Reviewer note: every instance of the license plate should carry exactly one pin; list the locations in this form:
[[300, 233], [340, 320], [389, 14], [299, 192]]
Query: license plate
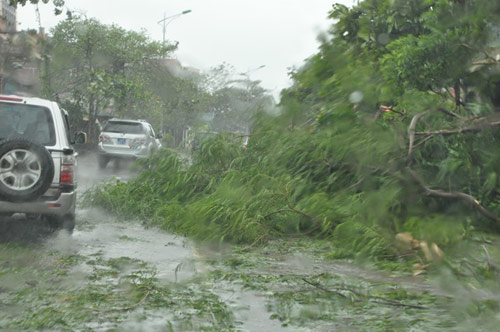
[[121, 141]]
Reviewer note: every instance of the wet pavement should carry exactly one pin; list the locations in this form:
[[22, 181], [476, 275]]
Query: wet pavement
[[89, 174], [172, 259], [172, 284]]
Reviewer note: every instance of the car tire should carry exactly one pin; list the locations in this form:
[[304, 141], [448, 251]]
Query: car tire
[[32, 216], [118, 163], [66, 222], [102, 161], [26, 170]]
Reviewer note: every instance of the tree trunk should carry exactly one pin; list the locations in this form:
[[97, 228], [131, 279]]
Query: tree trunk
[[92, 119]]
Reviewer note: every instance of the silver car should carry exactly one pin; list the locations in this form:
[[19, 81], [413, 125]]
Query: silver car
[[126, 139], [37, 162]]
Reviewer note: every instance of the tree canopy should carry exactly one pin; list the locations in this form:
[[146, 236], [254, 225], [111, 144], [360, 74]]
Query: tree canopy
[[59, 4], [94, 66]]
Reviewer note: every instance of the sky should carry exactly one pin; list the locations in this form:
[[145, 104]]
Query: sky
[[263, 38]]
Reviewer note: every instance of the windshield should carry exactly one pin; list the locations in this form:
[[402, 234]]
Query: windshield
[[320, 165], [26, 121], [124, 127]]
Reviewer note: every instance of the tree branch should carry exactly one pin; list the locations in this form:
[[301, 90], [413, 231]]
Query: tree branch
[[455, 194], [470, 129], [373, 299], [445, 111], [323, 289], [423, 141], [411, 134], [148, 291], [386, 109], [254, 243]]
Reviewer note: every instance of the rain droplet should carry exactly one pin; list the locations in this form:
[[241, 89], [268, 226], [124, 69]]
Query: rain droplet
[[383, 39], [356, 97]]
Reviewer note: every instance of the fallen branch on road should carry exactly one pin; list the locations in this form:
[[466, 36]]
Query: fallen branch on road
[[373, 299], [125, 308], [254, 243]]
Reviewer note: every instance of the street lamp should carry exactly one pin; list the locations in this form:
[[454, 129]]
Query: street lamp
[[247, 73], [166, 20]]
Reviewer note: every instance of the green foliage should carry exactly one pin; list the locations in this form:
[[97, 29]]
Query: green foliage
[[426, 62], [438, 229], [96, 67], [111, 293], [356, 239], [58, 4], [336, 163]]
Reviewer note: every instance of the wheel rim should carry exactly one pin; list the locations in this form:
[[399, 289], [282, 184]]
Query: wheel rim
[[20, 169]]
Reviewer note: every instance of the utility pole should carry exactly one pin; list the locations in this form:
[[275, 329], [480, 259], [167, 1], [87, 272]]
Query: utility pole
[[38, 18]]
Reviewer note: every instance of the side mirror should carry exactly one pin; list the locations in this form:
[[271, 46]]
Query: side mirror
[[80, 137]]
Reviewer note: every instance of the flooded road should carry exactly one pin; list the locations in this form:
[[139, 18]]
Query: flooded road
[[114, 274]]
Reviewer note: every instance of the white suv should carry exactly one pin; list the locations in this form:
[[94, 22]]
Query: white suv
[[37, 162], [126, 139]]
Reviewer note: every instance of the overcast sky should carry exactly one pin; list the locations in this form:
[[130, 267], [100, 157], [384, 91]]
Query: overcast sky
[[247, 34]]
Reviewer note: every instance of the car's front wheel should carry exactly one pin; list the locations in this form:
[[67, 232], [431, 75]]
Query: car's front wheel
[[102, 161]]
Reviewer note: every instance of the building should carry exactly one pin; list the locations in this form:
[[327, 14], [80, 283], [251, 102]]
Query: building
[[8, 17], [20, 62]]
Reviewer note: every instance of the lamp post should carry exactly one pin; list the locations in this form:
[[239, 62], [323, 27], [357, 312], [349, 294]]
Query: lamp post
[[247, 73], [167, 19]]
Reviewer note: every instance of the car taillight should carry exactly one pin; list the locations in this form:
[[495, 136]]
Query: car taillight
[[66, 174], [104, 138]]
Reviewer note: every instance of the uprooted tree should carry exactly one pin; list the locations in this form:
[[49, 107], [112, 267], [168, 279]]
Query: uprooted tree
[[391, 127]]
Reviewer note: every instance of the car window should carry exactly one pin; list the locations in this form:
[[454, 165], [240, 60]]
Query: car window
[[151, 131], [27, 121], [124, 127], [66, 124]]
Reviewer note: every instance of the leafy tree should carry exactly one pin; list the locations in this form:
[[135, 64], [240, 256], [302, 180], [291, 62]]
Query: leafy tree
[[235, 99], [182, 100], [95, 66], [57, 3]]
